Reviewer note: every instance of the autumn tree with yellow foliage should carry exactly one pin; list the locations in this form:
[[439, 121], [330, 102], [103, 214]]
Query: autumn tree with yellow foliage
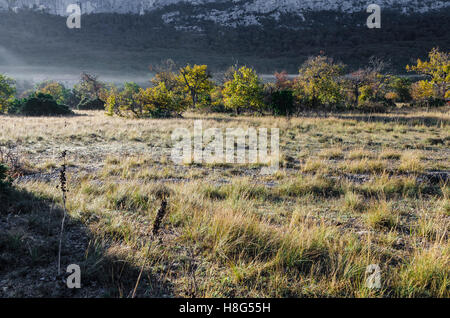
[[160, 102], [7, 91], [318, 82], [57, 90], [437, 71], [196, 82], [244, 91]]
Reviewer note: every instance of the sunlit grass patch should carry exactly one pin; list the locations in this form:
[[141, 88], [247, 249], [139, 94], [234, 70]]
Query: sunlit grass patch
[[364, 166], [156, 173], [354, 202], [444, 206], [91, 189], [117, 229], [239, 190], [332, 154], [387, 186], [308, 230], [427, 275], [410, 162], [317, 185], [236, 235], [124, 196], [432, 227], [315, 166], [359, 154], [128, 198], [113, 160], [48, 165], [381, 216], [390, 154], [307, 248]]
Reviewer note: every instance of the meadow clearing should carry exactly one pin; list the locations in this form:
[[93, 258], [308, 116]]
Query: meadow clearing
[[352, 190]]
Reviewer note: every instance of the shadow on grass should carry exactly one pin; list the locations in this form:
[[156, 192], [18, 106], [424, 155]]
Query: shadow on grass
[[429, 121], [46, 116], [29, 239], [397, 117], [219, 119]]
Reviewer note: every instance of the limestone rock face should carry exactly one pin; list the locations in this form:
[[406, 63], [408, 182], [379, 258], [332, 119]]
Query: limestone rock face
[[223, 12]]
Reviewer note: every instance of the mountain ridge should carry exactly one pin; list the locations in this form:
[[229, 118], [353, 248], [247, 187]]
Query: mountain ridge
[[223, 12]]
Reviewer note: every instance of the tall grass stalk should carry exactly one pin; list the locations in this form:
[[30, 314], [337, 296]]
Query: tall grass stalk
[[63, 187], [156, 226]]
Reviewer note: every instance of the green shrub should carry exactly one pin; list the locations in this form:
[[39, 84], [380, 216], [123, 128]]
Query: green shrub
[[155, 102], [15, 105], [91, 104], [73, 98], [59, 92], [402, 88], [40, 105], [282, 102]]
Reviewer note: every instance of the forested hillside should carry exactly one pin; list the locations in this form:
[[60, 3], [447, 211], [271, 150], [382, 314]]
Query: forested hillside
[[132, 42]]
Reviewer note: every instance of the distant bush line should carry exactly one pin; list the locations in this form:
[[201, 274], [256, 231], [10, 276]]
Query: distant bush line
[[322, 84]]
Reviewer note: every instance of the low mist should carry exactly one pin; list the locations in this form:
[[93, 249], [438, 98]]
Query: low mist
[[26, 76]]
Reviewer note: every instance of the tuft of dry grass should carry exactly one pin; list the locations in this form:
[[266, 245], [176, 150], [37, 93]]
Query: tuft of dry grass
[[354, 202], [380, 216], [390, 154], [315, 166], [317, 185], [332, 154], [428, 271], [364, 166], [359, 154], [410, 162]]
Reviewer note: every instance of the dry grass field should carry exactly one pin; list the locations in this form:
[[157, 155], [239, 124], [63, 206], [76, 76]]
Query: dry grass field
[[352, 190]]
